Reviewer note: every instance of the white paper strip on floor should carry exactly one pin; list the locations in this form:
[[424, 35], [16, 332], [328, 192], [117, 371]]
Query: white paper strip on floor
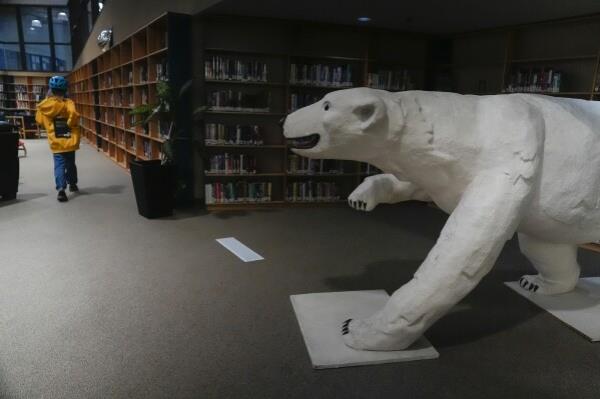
[[579, 308], [321, 316], [239, 249]]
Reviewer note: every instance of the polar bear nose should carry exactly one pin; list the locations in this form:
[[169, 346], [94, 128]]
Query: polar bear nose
[[282, 121]]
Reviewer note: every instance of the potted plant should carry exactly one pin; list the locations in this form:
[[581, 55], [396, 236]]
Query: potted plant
[[154, 181]]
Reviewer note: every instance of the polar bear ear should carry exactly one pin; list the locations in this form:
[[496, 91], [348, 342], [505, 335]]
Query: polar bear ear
[[370, 113]]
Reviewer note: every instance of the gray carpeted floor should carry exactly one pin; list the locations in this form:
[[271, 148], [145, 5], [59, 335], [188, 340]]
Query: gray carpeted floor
[[97, 302]]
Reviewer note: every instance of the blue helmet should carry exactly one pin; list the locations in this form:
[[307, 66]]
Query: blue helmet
[[58, 83]]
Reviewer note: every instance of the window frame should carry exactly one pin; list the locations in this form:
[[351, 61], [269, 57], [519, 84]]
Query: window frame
[[51, 42]]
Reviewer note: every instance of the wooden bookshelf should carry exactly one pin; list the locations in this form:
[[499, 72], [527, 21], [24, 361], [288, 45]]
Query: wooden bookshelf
[[482, 61], [593, 246], [278, 45], [110, 86], [21, 91]]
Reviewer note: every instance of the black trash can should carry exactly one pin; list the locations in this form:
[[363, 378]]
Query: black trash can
[[9, 161], [154, 187]]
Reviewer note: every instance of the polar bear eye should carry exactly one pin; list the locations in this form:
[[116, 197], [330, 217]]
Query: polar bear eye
[[326, 106]]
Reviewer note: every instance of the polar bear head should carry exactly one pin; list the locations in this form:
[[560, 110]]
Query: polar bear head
[[347, 124]]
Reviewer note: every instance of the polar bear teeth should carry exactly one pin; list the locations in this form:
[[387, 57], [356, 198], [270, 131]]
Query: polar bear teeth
[[304, 142]]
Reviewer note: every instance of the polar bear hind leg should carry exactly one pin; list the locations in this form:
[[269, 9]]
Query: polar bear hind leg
[[556, 263]]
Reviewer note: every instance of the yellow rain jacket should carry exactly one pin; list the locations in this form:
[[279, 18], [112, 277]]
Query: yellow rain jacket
[[61, 122]]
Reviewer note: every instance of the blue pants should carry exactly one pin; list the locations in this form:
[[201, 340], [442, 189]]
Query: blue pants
[[65, 170]]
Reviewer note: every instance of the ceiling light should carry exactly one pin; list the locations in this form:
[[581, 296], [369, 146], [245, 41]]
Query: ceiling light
[[62, 16], [36, 23], [31, 28], [363, 19]]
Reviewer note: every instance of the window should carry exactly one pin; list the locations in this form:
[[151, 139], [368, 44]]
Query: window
[[38, 57], [10, 56], [35, 24], [63, 57], [90, 16], [60, 24], [45, 34], [8, 25]]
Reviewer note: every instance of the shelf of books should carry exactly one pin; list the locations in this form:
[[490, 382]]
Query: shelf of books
[[20, 92], [108, 88], [592, 246], [246, 160]]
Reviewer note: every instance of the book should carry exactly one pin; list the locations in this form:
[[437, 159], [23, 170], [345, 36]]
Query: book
[[306, 166], [223, 68], [143, 74], [220, 134], [229, 100], [300, 100], [231, 164], [325, 75], [237, 192], [311, 191], [392, 80], [527, 80]]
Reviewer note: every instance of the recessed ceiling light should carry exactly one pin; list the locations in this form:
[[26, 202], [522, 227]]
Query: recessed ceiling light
[[363, 19], [36, 23]]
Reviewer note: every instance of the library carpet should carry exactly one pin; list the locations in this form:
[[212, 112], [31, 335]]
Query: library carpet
[[97, 302]]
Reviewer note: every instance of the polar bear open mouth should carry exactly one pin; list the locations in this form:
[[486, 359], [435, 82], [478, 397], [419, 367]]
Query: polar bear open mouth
[[304, 142]]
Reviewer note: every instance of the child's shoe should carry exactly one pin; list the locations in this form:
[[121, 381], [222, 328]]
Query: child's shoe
[[73, 188], [62, 196]]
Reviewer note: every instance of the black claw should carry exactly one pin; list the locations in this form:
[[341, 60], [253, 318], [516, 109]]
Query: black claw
[[345, 332], [535, 288], [523, 282]]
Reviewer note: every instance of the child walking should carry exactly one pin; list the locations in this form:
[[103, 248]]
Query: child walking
[[61, 121]]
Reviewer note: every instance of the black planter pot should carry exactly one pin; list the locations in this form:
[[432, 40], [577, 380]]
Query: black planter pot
[[154, 187], [9, 162]]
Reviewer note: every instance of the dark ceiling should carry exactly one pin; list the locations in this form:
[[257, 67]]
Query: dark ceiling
[[432, 16]]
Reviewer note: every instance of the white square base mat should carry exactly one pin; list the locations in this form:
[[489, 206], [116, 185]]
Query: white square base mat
[[580, 308], [321, 316]]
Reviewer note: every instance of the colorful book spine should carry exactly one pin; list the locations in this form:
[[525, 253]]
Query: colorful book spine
[[223, 68], [237, 192], [220, 134], [325, 75]]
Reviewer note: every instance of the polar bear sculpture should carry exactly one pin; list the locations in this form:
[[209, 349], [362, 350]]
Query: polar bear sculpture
[[497, 164]]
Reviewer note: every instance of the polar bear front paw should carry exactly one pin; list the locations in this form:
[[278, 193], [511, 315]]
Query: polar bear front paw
[[363, 198], [365, 335]]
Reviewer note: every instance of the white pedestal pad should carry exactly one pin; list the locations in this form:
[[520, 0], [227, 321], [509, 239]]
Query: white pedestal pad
[[579, 308], [321, 316]]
